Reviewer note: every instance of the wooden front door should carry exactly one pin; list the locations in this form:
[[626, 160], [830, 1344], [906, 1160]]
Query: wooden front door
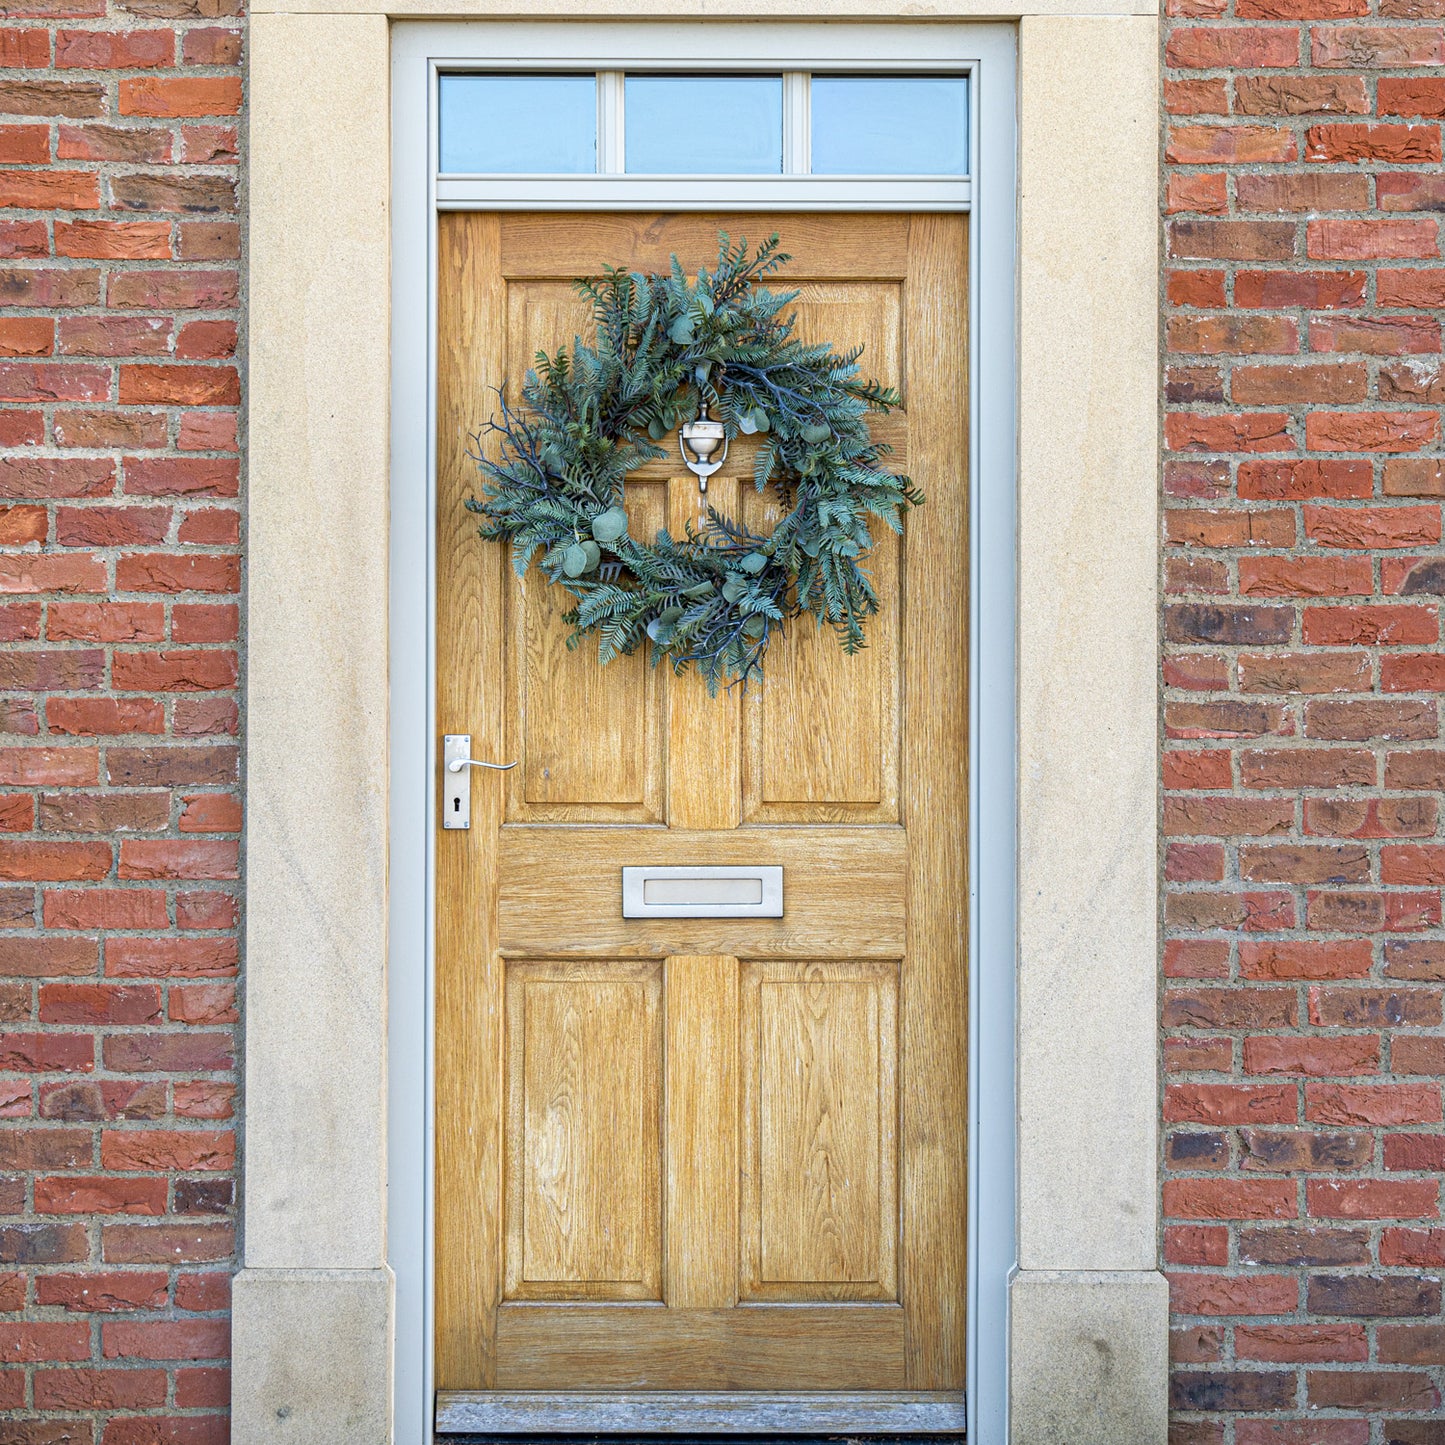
[[704, 1154]]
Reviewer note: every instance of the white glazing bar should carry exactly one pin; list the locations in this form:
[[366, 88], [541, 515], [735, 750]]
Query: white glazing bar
[[776, 193], [611, 123], [797, 144]]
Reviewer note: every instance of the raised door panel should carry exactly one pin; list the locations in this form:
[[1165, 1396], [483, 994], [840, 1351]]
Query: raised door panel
[[819, 1065], [583, 1140], [613, 769], [821, 737]]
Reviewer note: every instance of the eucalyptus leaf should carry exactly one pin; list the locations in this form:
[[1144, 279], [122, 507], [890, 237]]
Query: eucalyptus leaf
[[816, 433], [574, 560], [754, 562], [608, 526]]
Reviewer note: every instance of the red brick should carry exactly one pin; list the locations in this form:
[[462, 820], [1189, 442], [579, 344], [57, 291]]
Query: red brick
[[156, 1149], [50, 190], [1301, 94], [1230, 48], [1239, 432], [185, 385], [203, 1387], [180, 290], [203, 1003], [119, 240], [181, 96], [1381, 336], [166, 1243], [170, 957], [1305, 576], [1357, 1054], [177, 1430], [122, 908], [202, 908], [165, 572], [1371, 1390], [1201, 192], [1373, 1198], [190, 858], [1411, 95], [1230, 145], [1331, 240], [106, 621], [47, 957], [1229, 1199], [1372, 527], [91, 716], [1302, 1344], [1295, 192], [91, 1389], [182, 477], [99, 1003], [1362, 626], [1217, 1294], [165, 1339], [1305, 959], [173, 671], [112, 49], [33, 478], [1402, 144], [35, 1341], [27, 336], [114, 336], [67, 1194], [1357, 47], [1230, 1103], [1290, 385], [53, 861], [1365, 1104]]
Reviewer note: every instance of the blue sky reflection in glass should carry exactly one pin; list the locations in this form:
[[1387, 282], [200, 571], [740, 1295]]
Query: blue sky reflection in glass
[[518, 124], [890, 125], [704, 125]]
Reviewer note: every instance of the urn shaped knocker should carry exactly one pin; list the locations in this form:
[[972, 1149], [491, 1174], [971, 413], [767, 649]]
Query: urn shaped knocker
[[697, 440]]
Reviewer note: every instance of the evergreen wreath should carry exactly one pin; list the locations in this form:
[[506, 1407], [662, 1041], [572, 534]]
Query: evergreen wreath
[[666, 348]]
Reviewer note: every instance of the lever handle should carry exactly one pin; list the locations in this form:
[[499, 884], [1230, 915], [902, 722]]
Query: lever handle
[[457, 781], [457, 764]]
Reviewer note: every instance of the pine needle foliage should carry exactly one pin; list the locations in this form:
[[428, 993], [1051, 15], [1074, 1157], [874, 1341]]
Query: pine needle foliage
[[587, 417]]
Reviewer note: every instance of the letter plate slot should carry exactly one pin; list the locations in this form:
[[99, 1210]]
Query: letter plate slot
[[708, 892]]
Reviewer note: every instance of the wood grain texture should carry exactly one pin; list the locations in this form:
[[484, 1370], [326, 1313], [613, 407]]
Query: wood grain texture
[[584, 1156], [704, 762], [818, 1133], [821, 734], [705, 1154], [934, 1001], [844, 892], [825, 247], [702, 1128], [760, 1347], [614, 770], [470, 698]]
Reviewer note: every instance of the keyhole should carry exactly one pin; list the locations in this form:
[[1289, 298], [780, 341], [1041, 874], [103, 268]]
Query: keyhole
[[456, 805]]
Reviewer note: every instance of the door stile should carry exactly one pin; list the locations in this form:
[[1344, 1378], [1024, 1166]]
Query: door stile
[[934, 999], [469, 1004]]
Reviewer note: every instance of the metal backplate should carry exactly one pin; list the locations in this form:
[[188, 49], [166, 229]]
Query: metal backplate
[[705, 892], [456, 786]]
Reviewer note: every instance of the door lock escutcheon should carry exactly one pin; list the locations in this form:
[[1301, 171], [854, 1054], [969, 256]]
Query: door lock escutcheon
[[457, 765]]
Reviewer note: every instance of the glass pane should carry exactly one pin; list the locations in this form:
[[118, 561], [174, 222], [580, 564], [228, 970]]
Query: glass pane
[[890, 125], [704, 124], [540, 123]]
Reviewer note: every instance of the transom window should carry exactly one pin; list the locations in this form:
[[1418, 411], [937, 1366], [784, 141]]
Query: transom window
[[864, 127]]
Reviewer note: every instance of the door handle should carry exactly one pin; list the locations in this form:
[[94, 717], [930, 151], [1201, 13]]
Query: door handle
[[457, 781]]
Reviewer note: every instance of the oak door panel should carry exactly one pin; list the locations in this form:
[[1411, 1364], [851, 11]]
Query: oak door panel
[[584, 1102], [704, 1154]]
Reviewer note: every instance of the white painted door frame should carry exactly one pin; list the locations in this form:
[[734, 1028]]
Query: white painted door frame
[[987, 53]]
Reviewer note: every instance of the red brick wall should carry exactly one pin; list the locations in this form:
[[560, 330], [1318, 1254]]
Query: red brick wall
[[119, 811], [1305, 955]]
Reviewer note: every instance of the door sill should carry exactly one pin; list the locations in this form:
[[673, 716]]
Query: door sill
[[675, 1412]]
